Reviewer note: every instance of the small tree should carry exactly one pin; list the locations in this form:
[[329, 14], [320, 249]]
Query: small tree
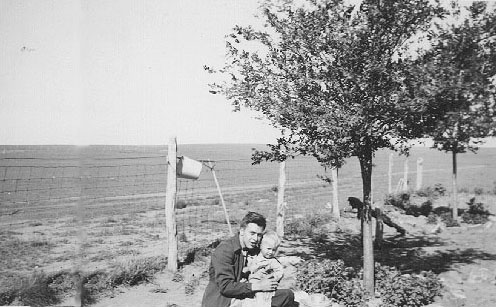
[[329, 76], [459, 78]]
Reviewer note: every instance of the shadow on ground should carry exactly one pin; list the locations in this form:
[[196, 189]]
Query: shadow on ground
[[410, 254]]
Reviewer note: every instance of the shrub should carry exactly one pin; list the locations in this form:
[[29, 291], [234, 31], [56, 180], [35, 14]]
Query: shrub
[[476, 213], [426, 208], [298, 227], [191, 285], [343, 284], [406, 290], [432, 218], [402, 201], [398, 200], [432, 192], [447, 218], [178, 277], [324, 276], [137, 270], [34, 290], [478, 191], [307, 226]]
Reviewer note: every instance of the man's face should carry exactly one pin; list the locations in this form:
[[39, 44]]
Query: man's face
[[251, 235]]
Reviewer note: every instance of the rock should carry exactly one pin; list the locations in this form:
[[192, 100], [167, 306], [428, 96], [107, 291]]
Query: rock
[[434, 305], [488, 225], [478, 276]]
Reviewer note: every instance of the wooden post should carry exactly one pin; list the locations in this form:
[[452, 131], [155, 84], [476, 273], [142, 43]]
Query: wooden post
[[420, 169], [281, 205], [405, 175], [221, 198], [335, 199], [390, 174], [379, 228], [170, 204]]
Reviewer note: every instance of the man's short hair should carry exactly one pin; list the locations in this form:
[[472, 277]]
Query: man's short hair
[[253, 217]]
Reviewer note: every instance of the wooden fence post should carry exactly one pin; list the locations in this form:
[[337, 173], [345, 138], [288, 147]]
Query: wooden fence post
[[221, 198], [420, 169], [379, 228], [335, 199], [281, 204], [170, 204], [405, 175], [390, 174]]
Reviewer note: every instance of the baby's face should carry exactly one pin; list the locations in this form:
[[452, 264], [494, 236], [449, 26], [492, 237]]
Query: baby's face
[[268, 248]]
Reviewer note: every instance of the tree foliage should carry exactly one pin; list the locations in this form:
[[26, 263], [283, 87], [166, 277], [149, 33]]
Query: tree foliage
[[332, 81], [459, 79]]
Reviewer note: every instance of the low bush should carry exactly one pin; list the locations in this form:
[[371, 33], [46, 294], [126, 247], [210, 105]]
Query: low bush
[[136, 271], [476, 213], [327, 277], [406, 290], [32, 290], [343, 284], [191, 286], [478, 191], [432, 192], [398, 200], [309, 226], [41, 289], [432, 218], [402, 201], [447, 218]]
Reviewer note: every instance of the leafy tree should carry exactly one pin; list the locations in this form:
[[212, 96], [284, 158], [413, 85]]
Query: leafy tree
[[459, 78], [331, 77]]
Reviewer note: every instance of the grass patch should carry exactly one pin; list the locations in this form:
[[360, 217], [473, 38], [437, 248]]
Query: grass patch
[[40, 289]]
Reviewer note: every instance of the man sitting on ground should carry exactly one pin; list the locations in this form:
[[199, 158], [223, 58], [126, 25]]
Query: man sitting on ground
[[226, 269]]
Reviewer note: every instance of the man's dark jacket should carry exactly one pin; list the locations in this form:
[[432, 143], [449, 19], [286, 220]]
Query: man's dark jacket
[[225, 273]]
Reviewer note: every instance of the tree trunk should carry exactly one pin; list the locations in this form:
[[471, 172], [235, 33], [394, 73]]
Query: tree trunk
[[455, 192], [335, 199], [366, 220]]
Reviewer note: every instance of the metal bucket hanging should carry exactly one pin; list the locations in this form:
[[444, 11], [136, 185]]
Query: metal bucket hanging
[[188, 168]]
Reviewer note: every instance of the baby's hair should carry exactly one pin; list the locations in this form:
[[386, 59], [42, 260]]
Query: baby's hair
[[270, 234]]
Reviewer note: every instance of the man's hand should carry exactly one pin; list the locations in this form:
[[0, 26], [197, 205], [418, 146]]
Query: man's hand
[[264, 285]]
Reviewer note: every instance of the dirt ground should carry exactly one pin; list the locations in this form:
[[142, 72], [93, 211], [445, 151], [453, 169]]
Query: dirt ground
[[463, 257]]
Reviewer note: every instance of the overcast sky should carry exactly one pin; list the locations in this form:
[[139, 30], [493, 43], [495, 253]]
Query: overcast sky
[[119, 72]]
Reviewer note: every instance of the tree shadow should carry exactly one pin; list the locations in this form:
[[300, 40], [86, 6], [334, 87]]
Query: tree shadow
[[410, 254]]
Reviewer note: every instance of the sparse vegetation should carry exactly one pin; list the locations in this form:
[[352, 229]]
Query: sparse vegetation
[[191, 286], [40, 289], [432, 192], [307, 226]]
